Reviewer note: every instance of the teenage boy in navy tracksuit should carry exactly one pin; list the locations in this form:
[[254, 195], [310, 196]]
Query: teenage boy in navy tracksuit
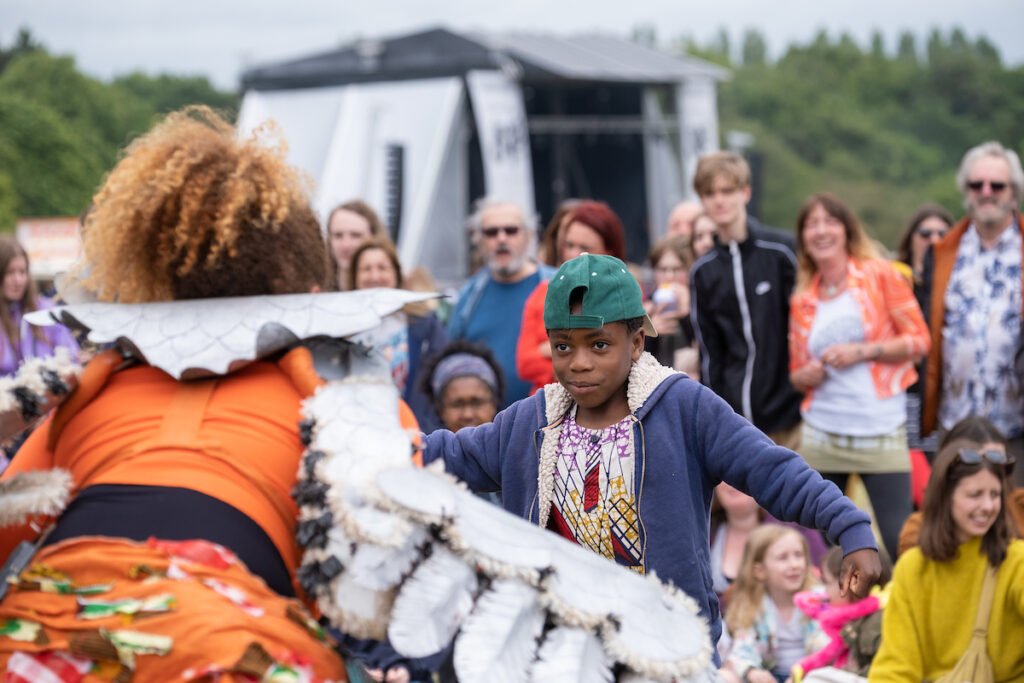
[[622, 454]]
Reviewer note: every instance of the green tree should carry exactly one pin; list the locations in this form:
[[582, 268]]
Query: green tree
[[755, 49], [8, 203], [60, 130], [907, 48], [885, 133], [165, 93], [52, 167], [23, 44]]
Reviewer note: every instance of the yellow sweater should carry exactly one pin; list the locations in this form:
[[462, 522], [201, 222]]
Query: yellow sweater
[[928, 620]]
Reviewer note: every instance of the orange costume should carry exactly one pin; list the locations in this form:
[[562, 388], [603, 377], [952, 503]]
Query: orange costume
[[234, 439]]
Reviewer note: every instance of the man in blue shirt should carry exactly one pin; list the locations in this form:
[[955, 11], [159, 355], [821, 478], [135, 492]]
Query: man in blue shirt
[[490, 305]]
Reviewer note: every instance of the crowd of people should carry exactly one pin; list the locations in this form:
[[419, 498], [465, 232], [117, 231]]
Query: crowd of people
[[700, 418]]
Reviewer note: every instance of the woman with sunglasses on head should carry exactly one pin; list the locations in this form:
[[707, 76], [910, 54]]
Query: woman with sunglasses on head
[[987, 436], [936, 590], [855, 333], [590, 227]]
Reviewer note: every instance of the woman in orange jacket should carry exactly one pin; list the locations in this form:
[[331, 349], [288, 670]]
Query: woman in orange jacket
[[855, 333]]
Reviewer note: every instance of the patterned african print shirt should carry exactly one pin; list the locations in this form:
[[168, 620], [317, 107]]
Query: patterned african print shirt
[[594, 494], [981, 332]]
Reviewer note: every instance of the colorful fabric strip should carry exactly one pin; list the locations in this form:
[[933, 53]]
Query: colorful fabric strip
[[100, 609], [23, 631]]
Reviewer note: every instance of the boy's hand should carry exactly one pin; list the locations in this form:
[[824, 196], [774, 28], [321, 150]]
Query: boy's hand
[[860, 571]]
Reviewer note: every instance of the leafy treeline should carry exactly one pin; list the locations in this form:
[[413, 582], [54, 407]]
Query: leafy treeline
[[883, 129], [61, 131]]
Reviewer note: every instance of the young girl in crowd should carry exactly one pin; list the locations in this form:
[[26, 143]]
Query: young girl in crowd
[[734, 515], [840, 618], [770, 635]]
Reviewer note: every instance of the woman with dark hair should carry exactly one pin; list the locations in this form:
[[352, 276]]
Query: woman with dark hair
[[347, 225], [928, 225], [936, 589], [855, 332], [21, 341], [464, 384], [980, 431], [590, 227], [405, 338]]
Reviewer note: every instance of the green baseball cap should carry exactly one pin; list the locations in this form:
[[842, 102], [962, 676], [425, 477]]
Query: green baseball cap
[[612, 295]]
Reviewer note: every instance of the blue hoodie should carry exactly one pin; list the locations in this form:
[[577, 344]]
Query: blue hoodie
[[687, 441]]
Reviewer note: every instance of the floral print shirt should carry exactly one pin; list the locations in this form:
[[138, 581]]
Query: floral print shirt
[[981, 332]]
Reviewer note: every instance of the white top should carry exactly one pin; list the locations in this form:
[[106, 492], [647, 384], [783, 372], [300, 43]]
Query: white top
[[790, 647], [846, 402]]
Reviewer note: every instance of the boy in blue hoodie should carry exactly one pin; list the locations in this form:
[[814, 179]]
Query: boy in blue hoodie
[[621, 455]]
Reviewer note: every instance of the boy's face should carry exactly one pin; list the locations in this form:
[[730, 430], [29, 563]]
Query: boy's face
[[593, 364], [726, 201]]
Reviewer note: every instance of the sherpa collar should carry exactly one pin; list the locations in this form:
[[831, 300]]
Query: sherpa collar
[[644, 377]]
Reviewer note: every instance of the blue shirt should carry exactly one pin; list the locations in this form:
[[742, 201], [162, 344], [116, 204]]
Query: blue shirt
[[495, 322]]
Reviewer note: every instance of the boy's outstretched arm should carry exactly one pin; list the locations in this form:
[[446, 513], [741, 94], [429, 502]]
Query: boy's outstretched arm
[[735, 451], [474, 454]]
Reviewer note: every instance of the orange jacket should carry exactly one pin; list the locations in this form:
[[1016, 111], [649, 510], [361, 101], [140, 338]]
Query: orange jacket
[[889, 311], [943, 259], [531, 366]]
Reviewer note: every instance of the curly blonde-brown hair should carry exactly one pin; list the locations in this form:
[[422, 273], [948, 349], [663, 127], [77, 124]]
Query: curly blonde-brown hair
[[191, 211]]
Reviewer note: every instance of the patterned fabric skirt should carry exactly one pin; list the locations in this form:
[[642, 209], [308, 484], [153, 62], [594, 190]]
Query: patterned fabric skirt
[[836, 453], [102, 609]]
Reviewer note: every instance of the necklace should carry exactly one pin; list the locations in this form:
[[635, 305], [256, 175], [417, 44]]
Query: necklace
[[829, 290]]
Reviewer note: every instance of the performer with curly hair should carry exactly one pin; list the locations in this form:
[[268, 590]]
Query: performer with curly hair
[[177, 555]]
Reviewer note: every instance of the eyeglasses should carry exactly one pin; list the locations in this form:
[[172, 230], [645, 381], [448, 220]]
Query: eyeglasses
[[491, 232], [969, 456], [928, 233], [473, 404], [979, 185]]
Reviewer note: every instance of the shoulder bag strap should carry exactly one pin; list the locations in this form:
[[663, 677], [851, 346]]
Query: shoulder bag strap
[[988, 590]]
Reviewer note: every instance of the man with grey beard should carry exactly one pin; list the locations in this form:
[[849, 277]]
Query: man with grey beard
[[490, 305], [974, 281]]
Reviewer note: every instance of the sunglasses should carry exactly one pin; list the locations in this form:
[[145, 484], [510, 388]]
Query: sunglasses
[[928, 233], [491, 232], [979, 185], [969, 456]]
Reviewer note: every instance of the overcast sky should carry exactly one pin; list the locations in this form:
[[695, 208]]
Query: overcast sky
[[220, 38]]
